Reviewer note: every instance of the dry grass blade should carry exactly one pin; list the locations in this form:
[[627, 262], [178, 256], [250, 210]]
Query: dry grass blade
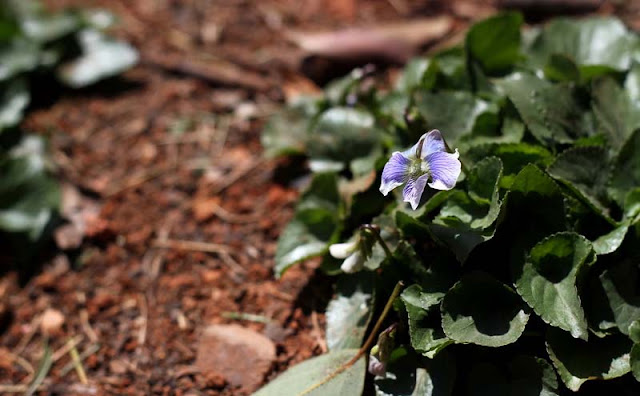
[[77, 364], [43, 370]]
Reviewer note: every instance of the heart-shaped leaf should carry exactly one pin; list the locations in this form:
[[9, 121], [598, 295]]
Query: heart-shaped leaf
[[483, 311]]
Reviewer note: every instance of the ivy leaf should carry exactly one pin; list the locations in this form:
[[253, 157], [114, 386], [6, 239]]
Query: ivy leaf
[[578, 361], [616, 114], [101, 58], [483, 311], [590, 43], [495, 42], [625, 175], [298, 380], [584, 171], [550, 111], [548, 281], [313, 225], [620, 283], [349, 312]]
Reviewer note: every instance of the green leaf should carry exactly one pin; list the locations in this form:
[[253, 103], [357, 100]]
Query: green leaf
[[287, 132], [548, 281], [43, 369], [406, 376], [634, 331], [299, 379], [28, 195], [616, 114], [349, 312], [313, 225], [621, 284], [17, 56], [426, 335], [561, 68], [585, 171], [514, 157], [342, 134], [635, 361], [632, 84], [101, 58], [483, 311], [412, 75], [550, 111], [532, 376], [589, 42], [611, 241], [578, 361], [495, 42], [49, 27], [625, 175], [525, 375], [452, 112], [13, 100], [459, 237]]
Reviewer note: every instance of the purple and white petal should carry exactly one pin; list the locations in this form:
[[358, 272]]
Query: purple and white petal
[[395, 172], [444, 169], [413, 190], [432, 142], [342, 250]]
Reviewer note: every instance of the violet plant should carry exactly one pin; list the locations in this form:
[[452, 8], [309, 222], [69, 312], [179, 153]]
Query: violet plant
[[516, 273]]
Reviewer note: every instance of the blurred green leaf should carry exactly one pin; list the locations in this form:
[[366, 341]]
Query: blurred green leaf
[[313, 225], [349, 312], [617, 115], [550, 111], [101, 58], [561, 67], [625, 174], [13, 101], [495, 42], [590, 43]]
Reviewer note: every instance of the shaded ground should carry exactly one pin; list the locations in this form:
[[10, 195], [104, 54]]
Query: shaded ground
[[164, 168]]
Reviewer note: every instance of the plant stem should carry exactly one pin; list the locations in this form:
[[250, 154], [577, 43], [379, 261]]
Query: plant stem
[[365, 347], [375, 230]]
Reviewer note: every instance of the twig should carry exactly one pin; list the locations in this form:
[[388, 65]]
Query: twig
[[58, 354], [191, 245], [77, 364], [133, 182], [223, 251], [86, 326], [144, 312], [247, 316], [229, 217], [88, 352], [239, 174], [24, 341]]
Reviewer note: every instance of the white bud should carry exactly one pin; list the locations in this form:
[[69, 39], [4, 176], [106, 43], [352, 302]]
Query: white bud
[[353, 263], [342, 250]]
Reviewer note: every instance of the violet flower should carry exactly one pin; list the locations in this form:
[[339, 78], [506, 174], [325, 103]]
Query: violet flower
[[427, 162]]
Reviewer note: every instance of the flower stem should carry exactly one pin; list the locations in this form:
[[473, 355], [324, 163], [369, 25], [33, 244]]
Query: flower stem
[[375, 230]]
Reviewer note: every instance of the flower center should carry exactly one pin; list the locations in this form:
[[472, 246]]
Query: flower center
[[418, 167]]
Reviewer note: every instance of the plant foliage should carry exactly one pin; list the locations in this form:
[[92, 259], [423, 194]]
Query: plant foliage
[[524, 278], [37, 47]]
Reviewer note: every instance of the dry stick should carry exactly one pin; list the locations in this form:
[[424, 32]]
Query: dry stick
[[365, 347], [237, 176], [222, 250]]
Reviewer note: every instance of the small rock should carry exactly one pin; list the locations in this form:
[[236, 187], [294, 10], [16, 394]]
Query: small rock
[[242, 356], [52, 321]]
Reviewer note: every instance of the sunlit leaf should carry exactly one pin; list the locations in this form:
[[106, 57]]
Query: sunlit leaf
[[349, 312]]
